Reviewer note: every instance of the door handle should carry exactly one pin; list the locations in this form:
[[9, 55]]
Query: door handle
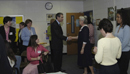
[[68, 23]]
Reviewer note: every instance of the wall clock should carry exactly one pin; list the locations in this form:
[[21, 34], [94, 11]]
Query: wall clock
[[48, 5]]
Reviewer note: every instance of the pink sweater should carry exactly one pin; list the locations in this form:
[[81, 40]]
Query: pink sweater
[[91, 33], [32, 54]]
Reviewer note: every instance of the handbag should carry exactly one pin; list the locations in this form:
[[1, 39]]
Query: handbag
[[46, 66]]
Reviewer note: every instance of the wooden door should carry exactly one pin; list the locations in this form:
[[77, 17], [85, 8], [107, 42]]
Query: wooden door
[[72, 30]]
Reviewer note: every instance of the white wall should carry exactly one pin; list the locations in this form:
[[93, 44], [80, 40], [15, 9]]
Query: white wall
[[36, 11], [100, 9]]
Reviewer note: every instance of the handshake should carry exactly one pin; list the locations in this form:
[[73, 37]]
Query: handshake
[[69, 38]]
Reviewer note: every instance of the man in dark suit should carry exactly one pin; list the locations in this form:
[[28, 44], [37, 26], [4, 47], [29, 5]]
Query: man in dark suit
[[5, 67], [8, 32], [57, 42]]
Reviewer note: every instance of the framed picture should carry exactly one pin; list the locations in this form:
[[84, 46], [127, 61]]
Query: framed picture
[[97, 21], [89, 14], [111, 13], [49, 17]]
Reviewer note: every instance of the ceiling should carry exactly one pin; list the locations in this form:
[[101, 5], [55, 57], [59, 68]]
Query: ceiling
[[42, 0]]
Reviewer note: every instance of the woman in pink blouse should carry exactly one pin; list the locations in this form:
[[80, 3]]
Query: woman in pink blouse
[[33, 52], [91, 32]]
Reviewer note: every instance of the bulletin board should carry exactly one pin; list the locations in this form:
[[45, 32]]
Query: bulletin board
[[16, 19]]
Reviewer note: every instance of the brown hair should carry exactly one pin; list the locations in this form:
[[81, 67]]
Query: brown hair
[[51, 21], [28, 21], [9, 51], [32, 41]]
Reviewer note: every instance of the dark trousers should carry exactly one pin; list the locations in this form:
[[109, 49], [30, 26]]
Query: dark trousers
[[123, 62], [114, 69], [23, 49], [57, 59], [13, 46], [51, 52], [20, 48]]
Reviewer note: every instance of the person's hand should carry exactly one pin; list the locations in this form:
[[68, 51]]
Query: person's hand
[[82, 51], [45, 53], [69, 38], [9, 41], [39, 57], [17, 43], [95, 50]]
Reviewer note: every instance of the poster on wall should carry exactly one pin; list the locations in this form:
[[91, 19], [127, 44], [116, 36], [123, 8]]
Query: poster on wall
[[89, 14], [49, 17], [16, 19], [111, 13]]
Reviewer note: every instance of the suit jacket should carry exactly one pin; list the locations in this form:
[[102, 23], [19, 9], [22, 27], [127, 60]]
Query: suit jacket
[[11, 33], [5, 67], [57, 36]]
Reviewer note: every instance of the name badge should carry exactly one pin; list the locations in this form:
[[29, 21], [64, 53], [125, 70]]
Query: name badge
[[11, 33], [39, 51]]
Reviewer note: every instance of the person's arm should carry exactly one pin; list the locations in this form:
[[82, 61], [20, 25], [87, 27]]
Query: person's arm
[[99, 54], [126, 37], [119, 52], [76, 37], [29, 57], [49, 31], [57, 33], [44, 49], [23, 36], [34, 31], [14, 36], [85, 38], [82, 49]]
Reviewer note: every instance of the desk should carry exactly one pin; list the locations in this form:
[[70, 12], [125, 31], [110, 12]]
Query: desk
[[42, 43]]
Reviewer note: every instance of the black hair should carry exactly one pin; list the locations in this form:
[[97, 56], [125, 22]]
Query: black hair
[[124, 16], [23, 24], [32, 41], [6, 19], [106, 25], [58, 14], [89, 20]]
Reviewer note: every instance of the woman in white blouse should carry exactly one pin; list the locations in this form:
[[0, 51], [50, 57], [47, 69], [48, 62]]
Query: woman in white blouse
[[108, 49]]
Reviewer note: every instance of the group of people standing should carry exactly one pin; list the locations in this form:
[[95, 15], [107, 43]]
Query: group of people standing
[[27, 41], [109, 49], [85, 42], [113, 47]]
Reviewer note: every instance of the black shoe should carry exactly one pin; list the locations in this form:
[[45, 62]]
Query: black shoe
[[63, 70]]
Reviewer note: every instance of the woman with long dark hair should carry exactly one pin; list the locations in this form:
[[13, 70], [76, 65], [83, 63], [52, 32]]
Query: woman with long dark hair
[[123, 33], [10, 54], [33, 52]]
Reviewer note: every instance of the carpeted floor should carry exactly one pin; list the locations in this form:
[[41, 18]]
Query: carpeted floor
[[69, 64]]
